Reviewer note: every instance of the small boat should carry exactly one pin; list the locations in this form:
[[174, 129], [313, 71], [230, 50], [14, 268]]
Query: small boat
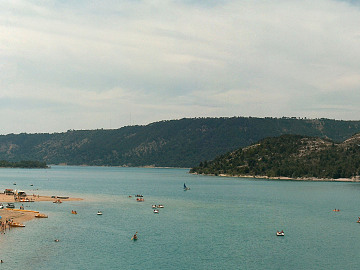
[[139, 199], [153, 206], [99, 213], [280, 233], [10, 205], [156, 211], [160, 206], [41, 215], [57, 201], [15, 224], [1, 206], [73, 212], [25, 200], [186, 188], [138, 195], [134, 237]]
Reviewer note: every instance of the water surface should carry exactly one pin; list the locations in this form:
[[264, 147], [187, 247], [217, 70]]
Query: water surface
[[221, 223]]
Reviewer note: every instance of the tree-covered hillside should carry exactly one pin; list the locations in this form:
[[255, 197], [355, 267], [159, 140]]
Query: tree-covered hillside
[[291, 156], [175, 143]]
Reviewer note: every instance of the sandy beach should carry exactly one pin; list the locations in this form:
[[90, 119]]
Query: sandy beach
[[25, 215], [17, 215], [34, 197]]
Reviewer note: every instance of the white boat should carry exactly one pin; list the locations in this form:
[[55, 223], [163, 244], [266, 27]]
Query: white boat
[[153, 206], [99, 213], [156, 211], [280, 233], [160, 206], [10, 205]]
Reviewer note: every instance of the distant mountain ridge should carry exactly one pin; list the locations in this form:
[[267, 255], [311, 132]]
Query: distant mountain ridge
[[174, 143], [292, 156]]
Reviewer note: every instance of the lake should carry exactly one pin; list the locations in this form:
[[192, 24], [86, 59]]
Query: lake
[[220, 223]]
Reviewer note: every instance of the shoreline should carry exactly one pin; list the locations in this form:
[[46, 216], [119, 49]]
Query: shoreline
[[17, 215], [118, 166], [313, 179], [20, 215], [34, 198]]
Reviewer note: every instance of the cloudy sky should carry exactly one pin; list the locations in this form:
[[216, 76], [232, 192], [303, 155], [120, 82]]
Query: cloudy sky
[[106, 64]]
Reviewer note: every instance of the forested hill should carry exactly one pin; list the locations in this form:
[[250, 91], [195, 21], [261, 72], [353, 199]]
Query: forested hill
[[175, 143], [292, 156]]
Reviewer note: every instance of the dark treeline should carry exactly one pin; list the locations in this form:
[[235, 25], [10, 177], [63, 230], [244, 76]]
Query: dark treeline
[[23, 164], [291, 156], [175, 143]]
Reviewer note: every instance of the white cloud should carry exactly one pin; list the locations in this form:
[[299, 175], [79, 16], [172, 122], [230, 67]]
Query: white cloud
[[171, 59]]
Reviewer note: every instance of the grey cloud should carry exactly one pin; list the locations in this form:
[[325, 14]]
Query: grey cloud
[[179, 59]]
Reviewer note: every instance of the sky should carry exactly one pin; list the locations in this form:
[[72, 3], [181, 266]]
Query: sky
[[113, 63]]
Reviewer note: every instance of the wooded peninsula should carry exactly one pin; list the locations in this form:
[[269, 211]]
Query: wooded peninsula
[[292, 156]]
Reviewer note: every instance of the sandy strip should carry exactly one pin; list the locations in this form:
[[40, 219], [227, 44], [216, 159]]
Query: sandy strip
[[36, 198], [18, 216]]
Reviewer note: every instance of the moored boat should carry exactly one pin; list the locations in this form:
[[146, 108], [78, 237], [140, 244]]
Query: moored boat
[[10, 205], [39, 215], [99, 213], [156, 211], [16, 224], [25, 200], [280, 233]]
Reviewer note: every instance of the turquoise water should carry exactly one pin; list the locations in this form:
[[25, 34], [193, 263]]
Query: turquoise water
[[221, 223]]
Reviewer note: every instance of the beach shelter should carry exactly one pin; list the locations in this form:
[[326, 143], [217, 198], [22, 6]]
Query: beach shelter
[[21, 193]]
